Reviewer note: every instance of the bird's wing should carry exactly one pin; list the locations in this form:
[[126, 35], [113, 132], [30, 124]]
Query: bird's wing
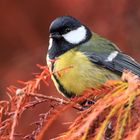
[[117, 62], [104, 53]]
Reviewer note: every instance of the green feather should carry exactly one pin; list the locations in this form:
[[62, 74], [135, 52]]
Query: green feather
[[98, 44]]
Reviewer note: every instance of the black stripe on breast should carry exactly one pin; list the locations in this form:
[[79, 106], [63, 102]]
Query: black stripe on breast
[[64, 91]]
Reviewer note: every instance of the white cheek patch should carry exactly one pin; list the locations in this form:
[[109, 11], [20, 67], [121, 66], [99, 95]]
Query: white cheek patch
[[76, 36], [50, 43], [112, 56]]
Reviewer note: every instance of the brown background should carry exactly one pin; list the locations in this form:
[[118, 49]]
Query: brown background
[[24, 39]]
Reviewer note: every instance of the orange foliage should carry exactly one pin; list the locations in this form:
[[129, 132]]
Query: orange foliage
[[114, 114]]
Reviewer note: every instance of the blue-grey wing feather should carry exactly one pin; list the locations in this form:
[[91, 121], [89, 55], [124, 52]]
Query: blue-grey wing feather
[[118, 64]]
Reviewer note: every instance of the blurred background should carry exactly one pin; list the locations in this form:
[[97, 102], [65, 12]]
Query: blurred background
[[24, 40]]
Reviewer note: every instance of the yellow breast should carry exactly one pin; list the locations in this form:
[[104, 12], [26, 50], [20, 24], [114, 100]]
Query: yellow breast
[[76, 73]]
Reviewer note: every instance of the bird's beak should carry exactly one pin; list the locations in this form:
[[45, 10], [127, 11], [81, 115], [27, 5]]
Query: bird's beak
[[55, 36]]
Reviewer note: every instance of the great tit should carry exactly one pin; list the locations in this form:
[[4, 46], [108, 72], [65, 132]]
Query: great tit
[[80, 59]]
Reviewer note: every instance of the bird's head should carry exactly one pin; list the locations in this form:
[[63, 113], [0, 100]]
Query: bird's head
[[66, 33]]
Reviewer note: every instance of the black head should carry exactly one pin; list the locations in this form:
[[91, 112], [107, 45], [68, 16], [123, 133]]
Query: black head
[[63, 25], [66, 33]]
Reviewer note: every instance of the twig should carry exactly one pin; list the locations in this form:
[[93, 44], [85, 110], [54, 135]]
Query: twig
[[15, 117], [39, 124], [34, 103], [62, 101]]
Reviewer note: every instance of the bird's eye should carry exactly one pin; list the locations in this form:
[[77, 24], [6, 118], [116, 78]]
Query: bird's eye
[[67, 30]]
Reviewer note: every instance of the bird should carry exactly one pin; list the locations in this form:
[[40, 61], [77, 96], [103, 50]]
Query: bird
[[79, 58]]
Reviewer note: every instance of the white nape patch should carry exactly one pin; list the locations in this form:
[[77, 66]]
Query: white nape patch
[[112, 56], [50, 43], [76, 36]]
